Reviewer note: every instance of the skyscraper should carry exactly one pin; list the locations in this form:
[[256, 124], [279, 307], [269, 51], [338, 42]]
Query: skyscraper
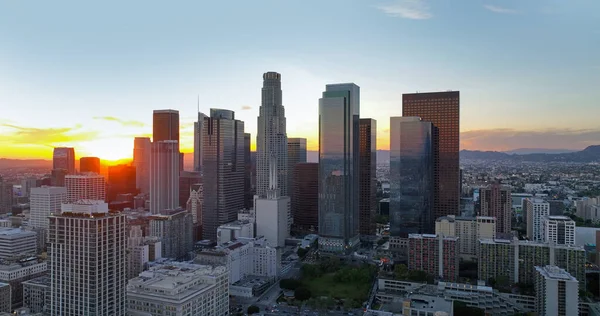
[[165, 125], [305, 197], [6, 196], [248, 189], [164, 176], [43, 202], [142, 147], [64, 158], [367, 203], [556, 291], [442, 109], [272, 211], [411, 177], [496, 202], [187, 179], [91, 281], [57, 178], [198, 141], [339, 111], [296, 149], [89, 164], [271, 135], [121, 180], [223, 175], [90, 186]]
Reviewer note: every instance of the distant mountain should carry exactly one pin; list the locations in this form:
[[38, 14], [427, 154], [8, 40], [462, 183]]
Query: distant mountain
[[527, 151], [6, 163], [590, 154]]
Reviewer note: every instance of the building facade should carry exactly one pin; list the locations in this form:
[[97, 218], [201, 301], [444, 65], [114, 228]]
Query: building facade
[[36, 294], [442, 109], [249, 189], [367, 204], [296, 149], [496, 202], [469, 231], [89, 164], [187, 180], [435, 255], [557, 292], [535, 210], [15, 272], [305, 199], [559, 230], [175, 230], [273, 218], [16, 242], [199, 141], [142, 149], [165, 125], [90, 186], [164, 176], [43, 202], [64, 158]]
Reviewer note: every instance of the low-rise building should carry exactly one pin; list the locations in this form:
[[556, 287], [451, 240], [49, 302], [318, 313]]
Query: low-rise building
[[5, 298], [15, 242], [15, 272], [468, 230], [36, 294]]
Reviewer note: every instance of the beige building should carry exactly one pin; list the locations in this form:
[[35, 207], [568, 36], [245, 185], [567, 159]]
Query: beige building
[[468, 230]]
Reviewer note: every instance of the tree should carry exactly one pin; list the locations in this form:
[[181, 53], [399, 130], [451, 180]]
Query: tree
[[401, 272], [252, 309], [302, 294], [289, 284], [302, 252]]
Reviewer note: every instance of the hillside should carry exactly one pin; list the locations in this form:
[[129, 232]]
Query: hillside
[[589, 154]]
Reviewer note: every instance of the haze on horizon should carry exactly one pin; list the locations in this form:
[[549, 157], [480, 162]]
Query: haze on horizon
[[88, 75]]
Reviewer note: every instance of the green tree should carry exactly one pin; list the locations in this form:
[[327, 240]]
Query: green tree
[[401, 272], [289, 284], [302, 294], [302, 252], [252, 309]]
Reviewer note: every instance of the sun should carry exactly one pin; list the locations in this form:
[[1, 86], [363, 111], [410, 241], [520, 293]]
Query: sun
[[110, 150]]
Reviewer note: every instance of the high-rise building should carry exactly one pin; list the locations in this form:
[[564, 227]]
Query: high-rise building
[[535, 210], [91, 281], [187, 179], [165, 125], [271, 137], [496, 202], [435, 255], [90, 186], [58, 177], [164, 176], [141, 250], [175, 230], [142, 148], [305, 197], [194, 206], [272, 211], [223, 175], [296, 154], [468, 230], [556, 291], [248, 188], [43, 202], [367, 203], [339, 112], [27, 184], [442, 109], [559, 230], [89, 164], [411, 176], [198, 141], [64, 158], [6, 196], [121, 180]]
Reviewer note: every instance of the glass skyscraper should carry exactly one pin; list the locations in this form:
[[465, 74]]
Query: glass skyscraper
[[411, 176], [339, 111]]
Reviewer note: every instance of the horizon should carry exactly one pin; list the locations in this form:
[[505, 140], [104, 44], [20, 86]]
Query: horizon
[[71, 79]]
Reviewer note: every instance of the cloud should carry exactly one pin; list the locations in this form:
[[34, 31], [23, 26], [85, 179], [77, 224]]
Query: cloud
[[31, 136], [118, 120], [500, 10], [407, 9], [508, 139], [246, 107]]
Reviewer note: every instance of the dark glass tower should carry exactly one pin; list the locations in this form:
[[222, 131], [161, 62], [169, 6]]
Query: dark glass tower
[[305, 197], [64, 158], [368, 177], [339, 111], [296, 152], [248, 188], [411, 177], [165, 125], [89, 164]]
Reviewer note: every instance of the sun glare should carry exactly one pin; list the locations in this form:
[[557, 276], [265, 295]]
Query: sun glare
[[110, 150]]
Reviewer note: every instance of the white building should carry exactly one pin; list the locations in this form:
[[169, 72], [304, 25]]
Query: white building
[[234, 230], [273, 212], [16, 241], [87, 186], [468, 230], [535, 210], [559, 230], [583, 207], [557, 292], [141, 250], [179, 289], [194, 202], [44, 201], [99, 236]]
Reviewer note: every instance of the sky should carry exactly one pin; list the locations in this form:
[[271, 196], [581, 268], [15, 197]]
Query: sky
[[89, 75]]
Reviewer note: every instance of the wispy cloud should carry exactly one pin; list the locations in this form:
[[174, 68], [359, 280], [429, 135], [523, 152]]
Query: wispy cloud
[[501, 10], [508, 139], [407, 9], [121, 121], [50, 137], [246, 107]]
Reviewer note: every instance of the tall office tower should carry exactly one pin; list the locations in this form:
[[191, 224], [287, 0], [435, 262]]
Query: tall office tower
[[57, 177], [165, 125], [271, 137], [442, 109], [367, 203], [435, 255], [556, 291], [181, 162], [296, 149], [121, 180], [559, 230], [89, 164], [64, 158], [27, 184], [43, 202], [248, 189], [175, 230], [142, 147], [88, 186], [198, 141], [272, 211], [87, 260], [194, 206], [535, 210], [496, 202], [164, 176], [6, 196], [223, 175], [411, 176], [305, 197], [187, 179], [339, 111]]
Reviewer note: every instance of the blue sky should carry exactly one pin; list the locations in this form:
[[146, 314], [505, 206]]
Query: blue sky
[[528, 70]]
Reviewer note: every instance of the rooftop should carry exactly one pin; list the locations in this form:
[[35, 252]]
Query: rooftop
[[429, 303], [555, 273], [14, 232], [43, 281]]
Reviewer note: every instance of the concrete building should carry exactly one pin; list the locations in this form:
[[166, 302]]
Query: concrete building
[[179, 289], [468, 230], [516, 259], [435, 255], [164, 176], [296, 151], [557, 292], [87, 225], [194, 207], [187, 181], [88, 186], [234, 230], [27, 184], [15, 272], [16, 242], [5, 298], [559, 230], [142, 148], [273, 218], [174, 228], [141, 250], [496, 202], [43, 202], [535, 210], [36, 294]]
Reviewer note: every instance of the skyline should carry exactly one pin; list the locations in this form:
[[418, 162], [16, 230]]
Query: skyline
[[69, 78]]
